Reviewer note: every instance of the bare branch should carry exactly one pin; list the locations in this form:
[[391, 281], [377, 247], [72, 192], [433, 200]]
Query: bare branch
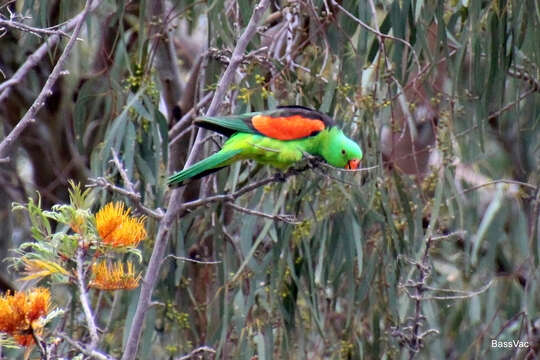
[[503, 181], [135, 197], [460, 233], [30, 116], [290, 219], [196, 351], [520, 73], [175, 202], [131, 188], [278, 177], [182, 258], [84, 350], [497, 113], [464, 294], [30, 29], [83, 297], [36, 57]]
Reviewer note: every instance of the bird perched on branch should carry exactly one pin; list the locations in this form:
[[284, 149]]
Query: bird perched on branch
[[279, 137]]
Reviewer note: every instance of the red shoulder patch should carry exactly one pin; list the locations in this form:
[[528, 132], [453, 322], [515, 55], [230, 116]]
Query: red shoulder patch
[[286, 127]]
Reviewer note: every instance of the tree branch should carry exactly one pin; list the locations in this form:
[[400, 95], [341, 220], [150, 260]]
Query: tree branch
[[290, 219], [30, 29], [36, 57], [197, 350], [135, 197], [83, 297], [30, 116], [175, 202], [84, 350]]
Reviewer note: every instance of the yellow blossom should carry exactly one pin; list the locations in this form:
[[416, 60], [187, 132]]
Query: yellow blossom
[[20, 313], [114, 276], [117, 228]]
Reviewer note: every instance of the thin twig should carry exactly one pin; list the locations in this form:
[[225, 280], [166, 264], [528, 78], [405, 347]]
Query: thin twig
[[30, 116], [197, 350], [183, 258], [497, 113], [131, 188], [464, 294], [415, 340], [135, 197], [503, 181], [290, 219], [83, 297], [175, 202], [460, 233], [278, 177], [520, 73], [92, 353], [42, 346]]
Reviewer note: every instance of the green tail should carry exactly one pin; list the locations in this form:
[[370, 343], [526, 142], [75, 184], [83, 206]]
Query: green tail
[[203, 167]]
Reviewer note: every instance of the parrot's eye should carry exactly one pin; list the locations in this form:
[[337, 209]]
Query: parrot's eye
[[343, 151]]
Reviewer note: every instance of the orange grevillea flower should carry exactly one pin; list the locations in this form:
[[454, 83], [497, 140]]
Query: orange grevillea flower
[[20, 313], [117, 228], [114, 276]]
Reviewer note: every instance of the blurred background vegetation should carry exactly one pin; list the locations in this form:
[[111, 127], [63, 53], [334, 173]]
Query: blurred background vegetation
[[431, 253]]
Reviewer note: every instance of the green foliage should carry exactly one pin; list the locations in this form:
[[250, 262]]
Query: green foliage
[[352, 278]]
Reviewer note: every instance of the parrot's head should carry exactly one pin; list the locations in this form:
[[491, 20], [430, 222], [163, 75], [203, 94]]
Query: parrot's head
[[340, 151]]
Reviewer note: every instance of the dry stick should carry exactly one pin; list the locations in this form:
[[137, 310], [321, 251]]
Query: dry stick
[[84, 301], [499, 181], [290, 219], [175, 202], [30, 116], [183, 258], [499, 112], [30, 29], [137, 197], [197, 350], [92, 353], [416, 340], [231, 197]]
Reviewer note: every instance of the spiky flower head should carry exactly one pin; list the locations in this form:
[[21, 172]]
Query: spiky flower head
[[115, 276], [117, 228], [20, 313]]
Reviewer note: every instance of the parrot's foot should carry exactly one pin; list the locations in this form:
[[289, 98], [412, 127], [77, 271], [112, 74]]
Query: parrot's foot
[[281, 177], [314, 162], [311, 162]]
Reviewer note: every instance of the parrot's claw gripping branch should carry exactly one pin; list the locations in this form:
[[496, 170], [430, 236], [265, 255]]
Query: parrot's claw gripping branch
[[277, 177]]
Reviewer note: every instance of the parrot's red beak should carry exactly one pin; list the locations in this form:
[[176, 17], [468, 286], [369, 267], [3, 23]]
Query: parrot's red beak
[[352, 164]]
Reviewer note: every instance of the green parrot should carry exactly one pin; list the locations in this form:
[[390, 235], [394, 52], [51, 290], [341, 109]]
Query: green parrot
[[277, 137]]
